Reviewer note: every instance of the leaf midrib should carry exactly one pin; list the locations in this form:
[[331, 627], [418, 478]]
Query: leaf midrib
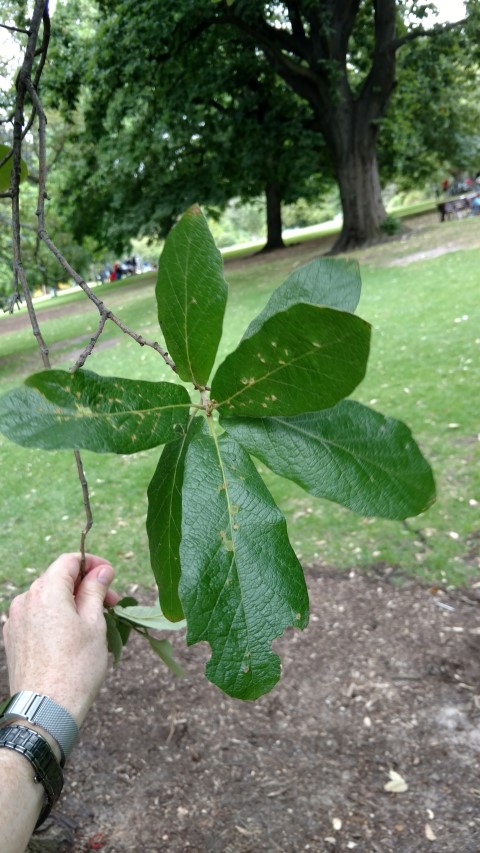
[[234, 552], [75, 413]]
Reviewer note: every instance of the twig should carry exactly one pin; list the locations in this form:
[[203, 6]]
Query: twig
[[24, 84], [14, 299], [8, 156], [89, 348], [101, 307], [105, 313], [15, 29], [418, 533]]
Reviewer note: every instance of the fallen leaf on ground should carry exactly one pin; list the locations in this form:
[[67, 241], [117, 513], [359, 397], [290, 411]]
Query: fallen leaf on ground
[[397, 784]]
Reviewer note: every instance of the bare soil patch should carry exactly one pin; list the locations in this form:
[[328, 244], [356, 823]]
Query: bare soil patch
[[385, 678]]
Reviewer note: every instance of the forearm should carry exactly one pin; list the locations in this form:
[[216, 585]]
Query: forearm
[[21, 800]]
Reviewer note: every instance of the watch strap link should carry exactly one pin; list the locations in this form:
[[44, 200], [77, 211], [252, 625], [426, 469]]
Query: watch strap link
[[43, 712], [38, 752]]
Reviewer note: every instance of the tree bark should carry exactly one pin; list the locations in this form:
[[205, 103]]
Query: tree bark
[[274, 218], [312, 58], [355, 161]]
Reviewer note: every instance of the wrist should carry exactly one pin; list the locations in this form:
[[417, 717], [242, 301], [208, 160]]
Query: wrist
[[53, 744], [43, 715], [34, 748]]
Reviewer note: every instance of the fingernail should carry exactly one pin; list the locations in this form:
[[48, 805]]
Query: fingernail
[[105, 575]]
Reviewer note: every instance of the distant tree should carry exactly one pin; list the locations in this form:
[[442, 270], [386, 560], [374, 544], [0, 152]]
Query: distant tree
[[341, 58], [433, 124], [175, 78], [43, 269], [147, 151]]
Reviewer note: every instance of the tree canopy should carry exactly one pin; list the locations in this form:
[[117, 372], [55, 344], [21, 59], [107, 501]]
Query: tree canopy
[[156, 135], [194, 100]]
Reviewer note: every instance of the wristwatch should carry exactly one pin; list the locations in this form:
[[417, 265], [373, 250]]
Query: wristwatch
[[44, 712], [38, 752]]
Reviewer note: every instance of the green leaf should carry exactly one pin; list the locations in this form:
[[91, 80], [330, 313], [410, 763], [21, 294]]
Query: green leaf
[[302, 359], [148, 617], [56, 409], [191, 297], [164, 520], [127, 601], [6, 169], [241, 583], [349, 454], [124, 628], [114, 637], [332, 282], [164, 651]]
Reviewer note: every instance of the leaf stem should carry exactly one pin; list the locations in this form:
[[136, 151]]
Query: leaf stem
[[87, 507]]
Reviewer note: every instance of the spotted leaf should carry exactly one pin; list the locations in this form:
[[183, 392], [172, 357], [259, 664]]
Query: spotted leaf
[[56, 409]]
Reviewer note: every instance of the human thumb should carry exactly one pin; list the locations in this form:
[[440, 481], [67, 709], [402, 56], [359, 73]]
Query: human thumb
[[92, 590]]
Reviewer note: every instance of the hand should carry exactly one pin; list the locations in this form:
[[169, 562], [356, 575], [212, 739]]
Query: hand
[[55, 636]]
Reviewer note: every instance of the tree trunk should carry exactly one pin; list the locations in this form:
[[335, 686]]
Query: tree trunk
[[274, 218], [356, 166], [312, 56]]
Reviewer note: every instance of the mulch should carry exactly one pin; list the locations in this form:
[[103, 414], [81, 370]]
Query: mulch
[[385, 681]]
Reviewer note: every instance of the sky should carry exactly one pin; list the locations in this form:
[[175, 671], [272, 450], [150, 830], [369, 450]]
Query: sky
[[449, 10]]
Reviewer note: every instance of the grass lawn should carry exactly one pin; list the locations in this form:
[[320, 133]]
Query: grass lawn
[[424, 369]]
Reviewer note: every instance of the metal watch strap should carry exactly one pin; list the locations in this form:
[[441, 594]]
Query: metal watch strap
[[43, 712], [38, 752]]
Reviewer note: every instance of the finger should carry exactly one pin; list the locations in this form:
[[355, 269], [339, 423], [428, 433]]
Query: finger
[[65, 568], [64, 572], [71, 562], [93, 561], [112, 598], [92, 591]]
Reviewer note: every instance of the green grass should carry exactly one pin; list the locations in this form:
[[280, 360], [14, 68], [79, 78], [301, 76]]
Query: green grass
[[424, 369], [325, 229]]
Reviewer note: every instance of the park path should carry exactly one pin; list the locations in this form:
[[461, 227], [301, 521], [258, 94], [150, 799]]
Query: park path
[[46, 311]]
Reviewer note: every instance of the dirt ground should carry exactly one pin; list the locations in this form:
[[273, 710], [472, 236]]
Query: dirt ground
[[386, 678]]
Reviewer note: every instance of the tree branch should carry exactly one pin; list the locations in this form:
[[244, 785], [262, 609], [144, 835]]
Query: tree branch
[[105, 313], [15, 29], [438, 29], [89, 348]]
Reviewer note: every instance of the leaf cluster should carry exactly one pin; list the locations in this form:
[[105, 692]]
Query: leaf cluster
[[219, 546]]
